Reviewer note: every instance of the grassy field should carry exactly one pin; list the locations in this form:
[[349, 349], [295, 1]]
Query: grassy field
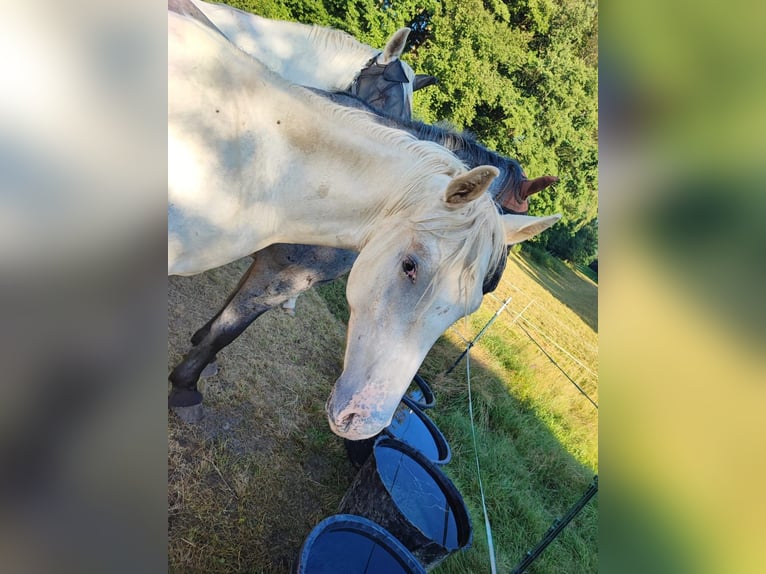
[[248, 483]]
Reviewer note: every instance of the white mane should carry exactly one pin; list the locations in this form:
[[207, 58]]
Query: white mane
[[330, 42], [308, 55]]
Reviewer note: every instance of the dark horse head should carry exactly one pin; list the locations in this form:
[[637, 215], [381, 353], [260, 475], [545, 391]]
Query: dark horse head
[[386, 83]]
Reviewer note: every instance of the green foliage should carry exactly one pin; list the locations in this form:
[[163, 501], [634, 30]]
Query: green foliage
[[527, 90], [522, 76], [538, 254], [277, 9], [579, 246]]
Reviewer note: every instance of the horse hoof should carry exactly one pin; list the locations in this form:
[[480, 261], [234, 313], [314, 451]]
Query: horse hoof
[[189, 415], [210, 370], [180, 397]]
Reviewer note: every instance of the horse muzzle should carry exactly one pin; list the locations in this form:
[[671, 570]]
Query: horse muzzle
[[355, 420]]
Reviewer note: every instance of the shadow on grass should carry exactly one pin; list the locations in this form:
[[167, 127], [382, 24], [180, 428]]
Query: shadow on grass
[[529, 478], [565, 285]]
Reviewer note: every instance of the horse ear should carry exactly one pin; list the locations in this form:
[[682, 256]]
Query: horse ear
[[519, 228], [394, 46], [423, 81], [394, 72], [468, 186], [530, 186]]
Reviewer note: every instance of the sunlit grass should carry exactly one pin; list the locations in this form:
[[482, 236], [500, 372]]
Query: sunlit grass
[[528, 373], [537, 434]]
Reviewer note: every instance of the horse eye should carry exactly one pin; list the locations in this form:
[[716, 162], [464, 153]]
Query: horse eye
[[410, 268]]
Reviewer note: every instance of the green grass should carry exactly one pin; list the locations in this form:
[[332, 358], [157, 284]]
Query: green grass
[[587, 271], [248, 484], [334, 295]]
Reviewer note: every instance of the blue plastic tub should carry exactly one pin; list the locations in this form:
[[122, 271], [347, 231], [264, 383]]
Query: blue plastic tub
[[408, 495], [348, 544], [420, 392], [410, 425]]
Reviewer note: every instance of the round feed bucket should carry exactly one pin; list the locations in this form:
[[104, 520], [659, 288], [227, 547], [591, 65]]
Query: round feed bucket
[[408, 495], [410, 425], [354, 545], [420, 392]]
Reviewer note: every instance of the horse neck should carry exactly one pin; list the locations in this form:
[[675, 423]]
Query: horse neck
[[469, 151], [357, 188], [318, 57], [356, 172]]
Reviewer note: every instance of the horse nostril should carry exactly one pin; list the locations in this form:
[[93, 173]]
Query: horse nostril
[[345, 422]]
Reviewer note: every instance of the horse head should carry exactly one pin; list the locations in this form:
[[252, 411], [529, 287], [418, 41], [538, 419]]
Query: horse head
[[408, 285], [387, 83]]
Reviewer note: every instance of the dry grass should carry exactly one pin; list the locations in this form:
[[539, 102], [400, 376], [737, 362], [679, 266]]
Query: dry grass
[[247, 485]]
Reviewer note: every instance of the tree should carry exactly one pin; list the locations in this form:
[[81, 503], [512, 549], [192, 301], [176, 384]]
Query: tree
[[577, 246], [522, 77]]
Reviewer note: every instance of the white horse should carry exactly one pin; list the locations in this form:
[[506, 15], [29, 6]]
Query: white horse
[[255, 160], [323, 58]]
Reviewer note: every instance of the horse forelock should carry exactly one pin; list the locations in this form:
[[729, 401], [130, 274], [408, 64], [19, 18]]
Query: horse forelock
[[477, 239], [469, 237], [473, 230]]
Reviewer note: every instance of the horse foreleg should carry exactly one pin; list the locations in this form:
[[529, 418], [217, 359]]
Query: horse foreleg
[[238, 312], [278, 273], [185, 399]]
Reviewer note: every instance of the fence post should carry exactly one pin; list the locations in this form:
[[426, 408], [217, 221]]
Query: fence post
[[556, 528]]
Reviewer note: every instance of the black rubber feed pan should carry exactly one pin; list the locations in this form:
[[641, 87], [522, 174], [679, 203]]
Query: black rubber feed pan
[[410, 425], [348, 544], [408, 495], [420, 392]]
